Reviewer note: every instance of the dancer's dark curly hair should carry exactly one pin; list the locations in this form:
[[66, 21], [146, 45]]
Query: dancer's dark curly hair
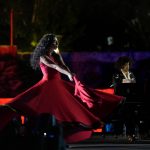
[[41, 49]]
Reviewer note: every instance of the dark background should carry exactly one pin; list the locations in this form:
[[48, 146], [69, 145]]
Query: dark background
[[82, 25]]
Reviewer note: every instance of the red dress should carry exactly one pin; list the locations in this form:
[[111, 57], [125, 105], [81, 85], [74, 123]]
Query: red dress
[[67, 101]]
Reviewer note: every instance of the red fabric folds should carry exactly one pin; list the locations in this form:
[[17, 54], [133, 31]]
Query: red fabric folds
[[64, 100], [82, 93]]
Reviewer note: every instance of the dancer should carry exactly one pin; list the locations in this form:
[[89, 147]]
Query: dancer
[[78, 108]]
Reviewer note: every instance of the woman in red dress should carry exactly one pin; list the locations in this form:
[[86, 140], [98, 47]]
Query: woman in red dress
[[69, 101]]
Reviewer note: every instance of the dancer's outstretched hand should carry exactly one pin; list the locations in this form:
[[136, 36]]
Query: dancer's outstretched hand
[[70, 76]]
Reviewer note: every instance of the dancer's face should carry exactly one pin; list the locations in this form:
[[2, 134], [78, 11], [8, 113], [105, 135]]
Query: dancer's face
[[54, 45]]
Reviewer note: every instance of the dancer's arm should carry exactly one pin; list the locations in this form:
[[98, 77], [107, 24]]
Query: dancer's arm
[[59, 59], [47, 62]]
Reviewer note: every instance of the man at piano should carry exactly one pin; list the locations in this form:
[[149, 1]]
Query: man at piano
[[123, 74], [124, 84]]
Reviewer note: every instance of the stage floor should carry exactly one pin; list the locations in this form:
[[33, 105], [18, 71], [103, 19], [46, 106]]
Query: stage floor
[[109, 147], [110, 142]]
